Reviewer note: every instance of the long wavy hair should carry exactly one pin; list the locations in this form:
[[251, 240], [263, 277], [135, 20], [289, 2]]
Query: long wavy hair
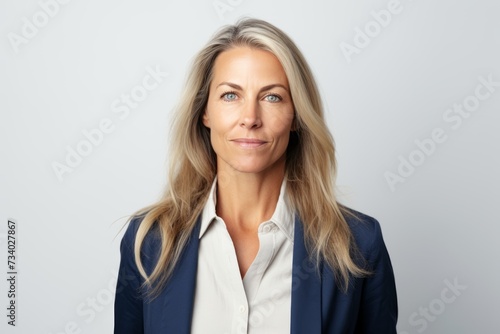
[[310, 162]]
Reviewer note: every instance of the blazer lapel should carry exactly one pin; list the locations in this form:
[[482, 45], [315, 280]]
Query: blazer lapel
[[178, 296], [179, 292], [306, 288]]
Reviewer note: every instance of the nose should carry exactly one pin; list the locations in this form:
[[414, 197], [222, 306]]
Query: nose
[[251, 115]]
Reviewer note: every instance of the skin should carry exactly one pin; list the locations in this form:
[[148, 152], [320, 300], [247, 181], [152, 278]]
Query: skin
[[250, 115]]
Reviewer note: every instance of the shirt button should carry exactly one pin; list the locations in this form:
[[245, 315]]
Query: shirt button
[[242, 308], [267, 228]]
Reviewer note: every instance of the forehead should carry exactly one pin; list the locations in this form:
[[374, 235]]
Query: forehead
[[248, 64]]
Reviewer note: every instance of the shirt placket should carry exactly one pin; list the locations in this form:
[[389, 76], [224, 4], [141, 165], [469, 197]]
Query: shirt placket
[[239, 324]]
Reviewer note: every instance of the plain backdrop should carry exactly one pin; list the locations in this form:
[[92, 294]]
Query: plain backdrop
[[389, 82]]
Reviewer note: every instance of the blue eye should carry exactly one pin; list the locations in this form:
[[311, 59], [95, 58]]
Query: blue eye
[[229, 96], [273, 98]]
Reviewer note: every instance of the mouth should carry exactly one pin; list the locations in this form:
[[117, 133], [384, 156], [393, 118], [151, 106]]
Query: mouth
[[249, 142]]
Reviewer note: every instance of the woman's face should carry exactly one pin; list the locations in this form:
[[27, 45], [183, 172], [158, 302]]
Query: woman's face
[[249, 111]]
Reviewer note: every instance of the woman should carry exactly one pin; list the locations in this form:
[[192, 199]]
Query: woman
[[249, 237]]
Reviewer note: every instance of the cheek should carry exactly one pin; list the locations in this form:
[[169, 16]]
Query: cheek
[[220, 130], [220, 126], [220, 118], [281, 126]]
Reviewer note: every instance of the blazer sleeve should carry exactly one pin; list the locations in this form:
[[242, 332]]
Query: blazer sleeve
[[128, 318], [379, 308]]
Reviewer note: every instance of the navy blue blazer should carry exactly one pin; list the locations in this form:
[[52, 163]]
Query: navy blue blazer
[[318, 306]]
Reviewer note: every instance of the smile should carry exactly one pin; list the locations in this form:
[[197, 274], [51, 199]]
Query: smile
[[249, 142]]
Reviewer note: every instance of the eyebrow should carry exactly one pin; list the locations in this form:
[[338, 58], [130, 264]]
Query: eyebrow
[[238, 87]]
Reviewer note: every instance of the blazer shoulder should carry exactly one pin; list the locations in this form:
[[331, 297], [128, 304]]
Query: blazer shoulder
[[150, 246], [366, 231], [131, 230]]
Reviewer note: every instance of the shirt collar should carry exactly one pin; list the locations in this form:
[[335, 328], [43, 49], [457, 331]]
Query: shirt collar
[[208, 213], [282, 216]]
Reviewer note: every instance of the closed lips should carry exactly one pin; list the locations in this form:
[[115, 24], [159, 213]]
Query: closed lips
[[249, 141]]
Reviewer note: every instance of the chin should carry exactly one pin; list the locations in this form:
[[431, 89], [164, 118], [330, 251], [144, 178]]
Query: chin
[[257, 168], [251, 165], [250, 169]]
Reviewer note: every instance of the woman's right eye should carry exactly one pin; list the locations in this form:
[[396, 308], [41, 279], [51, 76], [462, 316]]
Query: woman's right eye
[[229, 96]]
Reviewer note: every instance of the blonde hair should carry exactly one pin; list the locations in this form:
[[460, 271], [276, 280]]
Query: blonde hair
[[310, 162]]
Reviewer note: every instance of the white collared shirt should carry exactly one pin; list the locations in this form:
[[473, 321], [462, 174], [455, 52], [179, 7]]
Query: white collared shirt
[[261, 301]]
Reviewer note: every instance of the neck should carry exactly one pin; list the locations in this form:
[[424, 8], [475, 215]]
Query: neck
[[244, 200]]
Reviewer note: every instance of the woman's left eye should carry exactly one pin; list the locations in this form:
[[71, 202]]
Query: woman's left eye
[[273, 98]]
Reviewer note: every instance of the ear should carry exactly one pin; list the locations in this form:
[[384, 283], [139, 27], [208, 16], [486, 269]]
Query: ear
[[205, 119]]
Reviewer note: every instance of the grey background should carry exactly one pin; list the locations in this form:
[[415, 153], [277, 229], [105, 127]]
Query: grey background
[[440, 225]]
